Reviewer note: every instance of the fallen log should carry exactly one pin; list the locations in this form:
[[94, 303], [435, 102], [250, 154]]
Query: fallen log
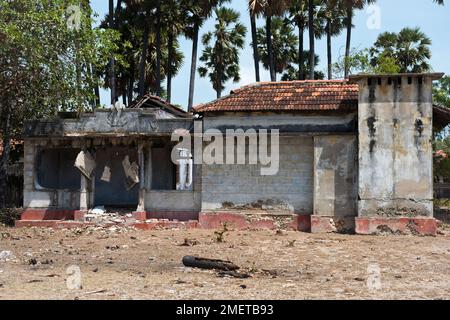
[[203, 263]]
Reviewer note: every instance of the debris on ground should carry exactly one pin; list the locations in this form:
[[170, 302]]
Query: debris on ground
[[189, 243], [6, 256]]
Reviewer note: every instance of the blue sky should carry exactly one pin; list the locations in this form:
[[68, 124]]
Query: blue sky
[[434, 20]]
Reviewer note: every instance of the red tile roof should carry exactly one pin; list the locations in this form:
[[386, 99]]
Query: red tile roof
[[288, 95]]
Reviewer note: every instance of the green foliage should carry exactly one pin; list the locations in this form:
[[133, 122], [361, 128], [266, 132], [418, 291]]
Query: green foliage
[[358, 62], [284, 45], [221, 54], [441, 160], [409, 50], [441, 91], [292, 72], [46, 63]]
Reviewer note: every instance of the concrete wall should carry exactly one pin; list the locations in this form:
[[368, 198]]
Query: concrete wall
[[336, 176], [395, 151], [307, 123], [242, 186], [36, 196], [172, 200]]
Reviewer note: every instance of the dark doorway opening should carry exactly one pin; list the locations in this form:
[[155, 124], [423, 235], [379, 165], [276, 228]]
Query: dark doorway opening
[[113, 192]]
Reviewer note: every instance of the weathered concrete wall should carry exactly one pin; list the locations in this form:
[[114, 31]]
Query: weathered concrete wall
[[172, 200], [36, 196], [227, 187], [336, 175], [395, 151], [130, 122], [285, 122]]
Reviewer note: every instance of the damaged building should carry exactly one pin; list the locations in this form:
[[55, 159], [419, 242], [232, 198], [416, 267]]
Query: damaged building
[[354, 156]]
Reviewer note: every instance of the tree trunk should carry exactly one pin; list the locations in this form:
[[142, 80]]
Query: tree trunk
[[255, 46], [143, 61], [158, 48], [312, 53], [348, 43], [96, 87], [4, 160], [169, 65], [130, 86], [329, 54], [301, 56], [193, 66], [273, 75], [112, 72]]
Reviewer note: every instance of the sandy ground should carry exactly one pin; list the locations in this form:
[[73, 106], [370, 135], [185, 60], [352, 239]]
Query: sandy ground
[[131, 264]]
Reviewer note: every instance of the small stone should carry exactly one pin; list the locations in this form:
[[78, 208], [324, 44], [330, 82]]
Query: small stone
[[6, 256]]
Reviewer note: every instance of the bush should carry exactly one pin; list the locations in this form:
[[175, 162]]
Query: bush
[[8, 216]]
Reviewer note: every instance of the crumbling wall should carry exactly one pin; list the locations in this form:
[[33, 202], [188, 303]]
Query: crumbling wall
[[242, 187], [395, 151], [335, 176], [36, 196]]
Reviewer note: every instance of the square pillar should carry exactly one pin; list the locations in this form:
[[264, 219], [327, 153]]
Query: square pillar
[[395, 154], [141, 206]]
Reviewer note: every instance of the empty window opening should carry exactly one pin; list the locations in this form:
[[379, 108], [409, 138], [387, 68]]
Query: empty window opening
[[164, 171], [56, 170]]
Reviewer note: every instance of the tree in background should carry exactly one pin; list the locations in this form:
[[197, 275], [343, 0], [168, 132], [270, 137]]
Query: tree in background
[[350, 6], [221, 54], [254, 39], [409, 50], [284, 46], [292, 71], [333, 13], [46, 63], [441, 91], [298, 15], [269, 9], [200, 11]]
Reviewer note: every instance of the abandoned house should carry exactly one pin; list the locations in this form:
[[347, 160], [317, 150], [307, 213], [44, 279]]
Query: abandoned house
[[354, 156]]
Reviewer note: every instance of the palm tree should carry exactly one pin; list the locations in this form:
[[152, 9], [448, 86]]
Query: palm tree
[[174, 21], [269, 9], [158, 48], [350, 6], [410, 49], [312, 52], [221, 53], [143, 10], [254, 40], [292, 73], [299, 16], [112, 73], [334, 14], [200, 10], [284, 45]]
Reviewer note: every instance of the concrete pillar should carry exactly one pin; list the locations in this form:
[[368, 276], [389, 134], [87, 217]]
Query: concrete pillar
[[148, 167], [335, 181], [141, 158], [395, 154], [84, 194]]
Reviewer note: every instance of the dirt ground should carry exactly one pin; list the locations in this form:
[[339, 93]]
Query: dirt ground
[[123, 263]]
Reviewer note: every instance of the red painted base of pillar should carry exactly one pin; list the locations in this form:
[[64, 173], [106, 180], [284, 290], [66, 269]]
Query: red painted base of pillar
[[243, 221], [402, 225], [321, 224], [48, 214]]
